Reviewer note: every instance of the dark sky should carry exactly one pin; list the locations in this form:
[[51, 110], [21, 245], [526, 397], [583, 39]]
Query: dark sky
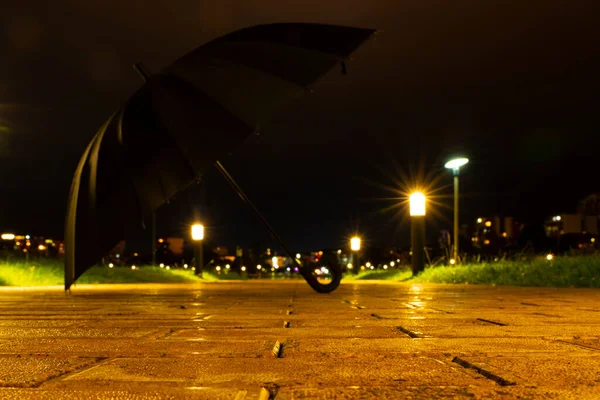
[[510, 84]]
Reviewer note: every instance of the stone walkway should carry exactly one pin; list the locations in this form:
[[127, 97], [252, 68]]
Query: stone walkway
[[280, 340]]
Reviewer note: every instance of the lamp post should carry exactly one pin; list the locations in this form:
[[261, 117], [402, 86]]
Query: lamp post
[[455, 165], [197, 237], [355, 247], [417, 202]]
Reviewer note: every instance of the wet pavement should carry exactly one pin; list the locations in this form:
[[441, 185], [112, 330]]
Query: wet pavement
[[280, 340]]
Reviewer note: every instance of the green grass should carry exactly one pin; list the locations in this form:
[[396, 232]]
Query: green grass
[[49, 273], [395, 275], [573, 271]]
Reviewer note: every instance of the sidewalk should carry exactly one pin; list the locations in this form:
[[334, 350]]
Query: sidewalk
[[280, 340]]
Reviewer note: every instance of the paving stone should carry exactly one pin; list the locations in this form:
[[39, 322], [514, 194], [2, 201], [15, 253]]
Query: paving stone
[[543, 371], [34, 370], [75, 332], [133, 392], [192, 347], [216, 341], [433, 345], [284, 371]]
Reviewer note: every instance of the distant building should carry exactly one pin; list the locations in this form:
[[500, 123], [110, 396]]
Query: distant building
[[221, 251], [506, 227], [175, 245], [584, 221], [493, 234], [589, 205], [562, 224], [589, 209]]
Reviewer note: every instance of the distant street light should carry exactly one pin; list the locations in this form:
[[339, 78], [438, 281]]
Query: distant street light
[[198, 237], [8, 236], [455, 165], [417, 202], [355, 247]]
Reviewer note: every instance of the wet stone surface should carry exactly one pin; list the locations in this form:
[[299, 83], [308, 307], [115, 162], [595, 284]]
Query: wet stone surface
[[280, 340]]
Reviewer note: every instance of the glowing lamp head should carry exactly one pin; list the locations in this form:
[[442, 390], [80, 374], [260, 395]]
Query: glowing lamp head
[[550, 257], [456, 163], [197, 232], [417, 204], [355, 244], [8, 236]]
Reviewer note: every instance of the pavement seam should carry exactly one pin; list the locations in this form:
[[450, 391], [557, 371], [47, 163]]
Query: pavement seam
[[84, 368], [579, 345], [547, 315], [413, 335], [442, 311], [489, 375], [529, 304], [268, 391], [164, 335], [278, 349], [355, 306], [489, 321]]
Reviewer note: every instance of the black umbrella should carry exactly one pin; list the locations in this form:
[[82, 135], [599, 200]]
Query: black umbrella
[[183, 120]]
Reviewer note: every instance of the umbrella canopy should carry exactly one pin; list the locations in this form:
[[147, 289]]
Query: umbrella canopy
[[184, 119]]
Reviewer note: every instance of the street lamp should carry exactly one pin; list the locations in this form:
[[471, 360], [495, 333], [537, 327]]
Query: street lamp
[[355, 247], [198, 237], [455, 165], [417, 202]]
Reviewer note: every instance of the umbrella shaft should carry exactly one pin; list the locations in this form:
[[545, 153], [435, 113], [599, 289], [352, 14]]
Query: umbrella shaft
[[245, 198]]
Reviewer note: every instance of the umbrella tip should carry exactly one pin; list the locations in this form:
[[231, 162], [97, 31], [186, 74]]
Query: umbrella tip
[[142, 70]]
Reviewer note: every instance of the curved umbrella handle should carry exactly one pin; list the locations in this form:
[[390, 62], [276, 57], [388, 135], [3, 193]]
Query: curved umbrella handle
[[311, 279]]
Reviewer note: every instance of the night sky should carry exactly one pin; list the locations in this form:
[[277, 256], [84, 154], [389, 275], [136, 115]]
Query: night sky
[[512, 86]]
